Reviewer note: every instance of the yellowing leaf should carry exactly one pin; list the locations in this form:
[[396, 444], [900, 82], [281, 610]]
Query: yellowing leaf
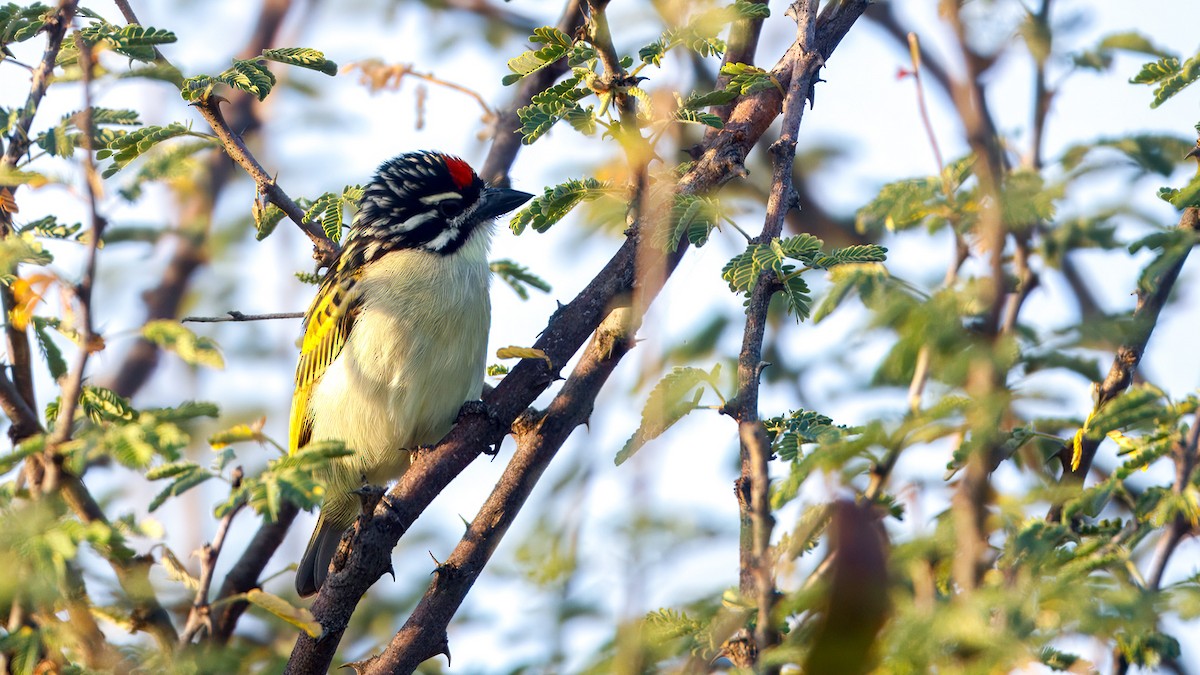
[[239, 434], [193, 349], [515, 352], [299, 617], [177, 571]]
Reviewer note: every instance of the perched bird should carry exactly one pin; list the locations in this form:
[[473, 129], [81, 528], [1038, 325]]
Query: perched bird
[[395, 340]]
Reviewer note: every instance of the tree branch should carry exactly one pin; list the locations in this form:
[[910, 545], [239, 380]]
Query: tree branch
[[200, 615], [246, 571], [19, 354], [1152, 296], [234, 315], [753, 486], [325, 251]]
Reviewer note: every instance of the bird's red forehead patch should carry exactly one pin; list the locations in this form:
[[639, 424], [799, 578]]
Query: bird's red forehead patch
[[460, 172]]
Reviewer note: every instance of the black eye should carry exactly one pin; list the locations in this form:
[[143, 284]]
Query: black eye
[[449, 207]]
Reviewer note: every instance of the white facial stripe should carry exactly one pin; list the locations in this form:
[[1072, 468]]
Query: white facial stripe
[[417, 221], [441, 196], [442, 239]]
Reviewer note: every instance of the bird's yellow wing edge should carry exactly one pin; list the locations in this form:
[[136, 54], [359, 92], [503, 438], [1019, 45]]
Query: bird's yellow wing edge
[[327, 326]]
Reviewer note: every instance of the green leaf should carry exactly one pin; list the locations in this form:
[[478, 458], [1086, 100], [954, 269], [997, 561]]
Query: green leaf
[[327, 210], [558, 44], [1169, 75], [128, 147], [1026, 201], [902, 205], [1156, 71], [745, 79], [1185, 197], [171, 470], [1135, 406], [669, 401], [240, 433], [18, 24], [743, 270], [518, 277], [867, 280], [24, 248], [104, 405], [692, 217], [556, 202], [177, 571], [246, 74], [653, 53], [745, 9], [136, 42], [191, 348], [50, 351], [1149, 152], [694, 117], [250, 76], [788, 432], [860, 253], [302, 57], [699, 101], [184, 481], [797, 293]]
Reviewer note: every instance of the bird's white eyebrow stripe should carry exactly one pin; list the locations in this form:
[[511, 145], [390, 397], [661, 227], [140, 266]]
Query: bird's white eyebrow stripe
[[439, 197], [417, 221]]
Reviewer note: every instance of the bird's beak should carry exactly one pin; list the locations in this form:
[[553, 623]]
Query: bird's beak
[[498, 201]]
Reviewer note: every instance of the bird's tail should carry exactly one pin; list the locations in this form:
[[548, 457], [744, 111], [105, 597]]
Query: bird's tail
[[314, 566]]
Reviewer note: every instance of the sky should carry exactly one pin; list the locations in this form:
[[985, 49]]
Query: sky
[[862, 107]]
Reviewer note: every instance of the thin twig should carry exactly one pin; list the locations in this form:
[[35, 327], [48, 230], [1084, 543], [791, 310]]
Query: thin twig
[[377, 75], [1042, 94], [234, 315], [245, 573], [88, 340], [914, 52], [200, 615], [325, 251]]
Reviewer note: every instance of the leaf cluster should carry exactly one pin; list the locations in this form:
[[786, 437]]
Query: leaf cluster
[[770, 260]]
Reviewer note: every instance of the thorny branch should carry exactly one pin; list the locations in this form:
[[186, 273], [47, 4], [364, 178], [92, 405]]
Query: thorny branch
[[325, 251], [200, 615], [753, 486], [566, 331]]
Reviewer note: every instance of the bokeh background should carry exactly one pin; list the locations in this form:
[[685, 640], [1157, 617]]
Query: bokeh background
[[599, 543]]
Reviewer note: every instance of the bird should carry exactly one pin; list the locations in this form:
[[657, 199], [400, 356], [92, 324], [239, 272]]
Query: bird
[[395, 340]]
